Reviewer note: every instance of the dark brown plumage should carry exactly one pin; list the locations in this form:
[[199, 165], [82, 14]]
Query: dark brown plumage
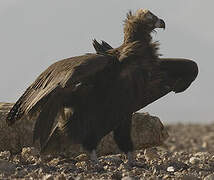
[[101, 90]]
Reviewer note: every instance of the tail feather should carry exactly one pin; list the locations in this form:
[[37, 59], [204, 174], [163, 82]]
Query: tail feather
[[53, 143], [106, 46], [60, 137], [101, 48], [45, 120]]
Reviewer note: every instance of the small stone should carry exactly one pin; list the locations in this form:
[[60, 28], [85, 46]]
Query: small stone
[[189, 177], [82, 157], [166, 177], [172, 148], [7, 167], [205, 145], [5, 155], [112, 159], [81, 164], [201, 154], [128, 178], [79, 178], [177, 174], [21, 173], [171, 169], [61, 177], [54, 162], [48, 177], [194, 160], [150, 154], [29, 151], [209, 177], [116, 176]]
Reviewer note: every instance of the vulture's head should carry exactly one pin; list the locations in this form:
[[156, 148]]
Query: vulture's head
[[141, 24]]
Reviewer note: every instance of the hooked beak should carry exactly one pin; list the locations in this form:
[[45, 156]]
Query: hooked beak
[[160, 24]]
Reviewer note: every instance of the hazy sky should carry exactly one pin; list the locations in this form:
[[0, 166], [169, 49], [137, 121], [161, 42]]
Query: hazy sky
[[34, 34]]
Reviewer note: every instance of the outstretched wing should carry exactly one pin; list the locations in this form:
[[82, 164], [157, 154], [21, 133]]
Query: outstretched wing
[[53, 87], [182, 71], [174, 74]]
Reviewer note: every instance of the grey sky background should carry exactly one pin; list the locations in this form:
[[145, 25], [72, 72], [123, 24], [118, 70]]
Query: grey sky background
[[34, 34]]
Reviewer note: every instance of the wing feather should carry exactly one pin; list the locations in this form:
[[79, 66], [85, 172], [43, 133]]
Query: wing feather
[[65, 73]]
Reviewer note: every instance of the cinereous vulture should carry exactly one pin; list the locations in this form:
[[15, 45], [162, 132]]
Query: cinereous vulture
[[103, 90]]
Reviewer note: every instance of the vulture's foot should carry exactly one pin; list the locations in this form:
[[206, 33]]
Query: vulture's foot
[[133, 163], [96, 163]]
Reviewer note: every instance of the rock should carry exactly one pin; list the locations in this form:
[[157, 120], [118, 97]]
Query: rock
[[147, 131], [5, 155], [201, 154], [82, 157], [29, 151], [170, 169], [205, 145], [194, 160], [116, 176], [16, 137], [189, 177], [128, 178], [48, 177], [209, 177], [7, 167], [21, 173], [150, 154], [172, 166], [61, 177]]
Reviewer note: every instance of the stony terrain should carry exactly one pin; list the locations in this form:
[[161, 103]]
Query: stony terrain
[[188, 154]]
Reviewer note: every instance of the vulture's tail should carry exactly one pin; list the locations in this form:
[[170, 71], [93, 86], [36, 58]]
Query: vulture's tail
[[59, 137], [102, 47], [46, 118], [53, 143]]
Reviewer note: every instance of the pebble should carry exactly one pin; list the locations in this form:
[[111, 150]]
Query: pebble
[[128, 178], [29, 151], [21, 173], [209, 177], [116, 176], [189, 177], [194, 160], [170, 169], [150, 154], [82, 157], [7, 167], [48, 177], [5, 154], [201, 154], [54, 162], [61, 177]]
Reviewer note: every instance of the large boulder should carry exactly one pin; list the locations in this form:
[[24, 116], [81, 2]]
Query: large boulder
[[147, 131]]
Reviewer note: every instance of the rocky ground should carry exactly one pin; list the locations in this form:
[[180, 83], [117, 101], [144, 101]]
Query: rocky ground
[[188, 154]]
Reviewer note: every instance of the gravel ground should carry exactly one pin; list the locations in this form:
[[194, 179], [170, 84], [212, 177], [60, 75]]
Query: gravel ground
[[188, 154]]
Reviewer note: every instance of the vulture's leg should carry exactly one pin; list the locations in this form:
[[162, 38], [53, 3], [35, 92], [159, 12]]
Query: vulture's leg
[[90, 144], [93, 157], [122, 136]]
